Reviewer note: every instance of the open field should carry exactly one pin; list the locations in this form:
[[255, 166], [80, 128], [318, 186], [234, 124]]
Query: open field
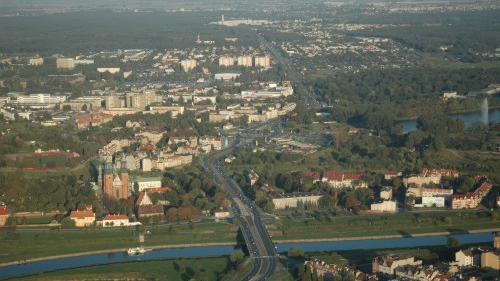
[[383, 224], [172, 270], [23, 244]]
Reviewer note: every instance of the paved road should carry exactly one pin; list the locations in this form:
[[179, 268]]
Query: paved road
[[257, 239]]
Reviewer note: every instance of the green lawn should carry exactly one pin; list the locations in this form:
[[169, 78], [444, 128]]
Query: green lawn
[[380, 224], [27, 243], [172, 270]]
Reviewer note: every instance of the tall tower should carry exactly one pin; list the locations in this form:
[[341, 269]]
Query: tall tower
[[222, 20], [99, 177], [125, 189], [108, 177]]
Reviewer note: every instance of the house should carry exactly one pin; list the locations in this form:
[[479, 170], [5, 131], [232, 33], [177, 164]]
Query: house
[[339, 179], [145, 182], [145, 208], [388, 264], [391, 175], [82, 218], [386, 193], [470, 256], [221, 213], [315, 176], [471, 200], [253, 177], [115, 220], [429, 176], [4, 214], [384, 206]]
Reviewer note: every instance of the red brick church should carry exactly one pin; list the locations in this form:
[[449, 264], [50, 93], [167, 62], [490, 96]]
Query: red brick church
[[113, 183]]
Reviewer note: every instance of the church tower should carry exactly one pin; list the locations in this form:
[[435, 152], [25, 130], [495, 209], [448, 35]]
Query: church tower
[[125, 189], [99, 177], [108, 177]]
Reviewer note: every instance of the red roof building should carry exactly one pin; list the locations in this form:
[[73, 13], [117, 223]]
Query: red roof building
[[82, 218], [339, 179], [4, 215]]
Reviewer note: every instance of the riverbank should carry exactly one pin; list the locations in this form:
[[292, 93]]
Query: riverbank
[[112, 251], [379, 237], [467, 111]]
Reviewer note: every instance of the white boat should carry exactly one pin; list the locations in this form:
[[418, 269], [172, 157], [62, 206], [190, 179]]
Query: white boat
[[137, 251]]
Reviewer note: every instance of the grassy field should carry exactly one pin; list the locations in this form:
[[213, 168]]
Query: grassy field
[[27, 243], [380, 224], [172, 270]]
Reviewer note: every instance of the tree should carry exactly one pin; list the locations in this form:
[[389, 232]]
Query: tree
[[237, 258], [68, 223], [453, 242], [296, 252]]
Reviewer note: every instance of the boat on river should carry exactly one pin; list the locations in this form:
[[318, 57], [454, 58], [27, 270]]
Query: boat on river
[[136, 251]]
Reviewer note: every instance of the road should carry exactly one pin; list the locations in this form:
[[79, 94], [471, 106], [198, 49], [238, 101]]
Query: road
[[295, 77], [255, 233]]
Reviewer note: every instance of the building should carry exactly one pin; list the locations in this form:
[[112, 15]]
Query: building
[[113, 183], [253, 177], [115, 220], [471, 200], [264, 62], [145, 208], [83, 218], [226, 61], [226, 76], [384, 206], [10, 114], [386, 193], [292, 200], [388, 264], [36, 61], [221, 213], [174, 110], [65, 63], [339, 179], [139, 100], [245, 61], [430, 176], [188, 65], [112, 70], [40, 99], [146, 183], [213, 142], [470, 256], [4, 214], [93, 118], [437, 202]]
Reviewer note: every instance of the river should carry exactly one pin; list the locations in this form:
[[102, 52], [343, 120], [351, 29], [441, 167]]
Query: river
[[468, 117], [210, 251]]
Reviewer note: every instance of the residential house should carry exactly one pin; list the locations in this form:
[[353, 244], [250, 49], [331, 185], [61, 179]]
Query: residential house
[[384, 206], [253, 177], [4, 214], [115, 220], [386, 193], [221, 213], [339, 179], [145, 182], [83, 218], [146, 208], [470, 256], [388, 264]]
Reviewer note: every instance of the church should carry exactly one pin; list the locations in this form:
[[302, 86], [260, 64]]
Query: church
[[114, 183]]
